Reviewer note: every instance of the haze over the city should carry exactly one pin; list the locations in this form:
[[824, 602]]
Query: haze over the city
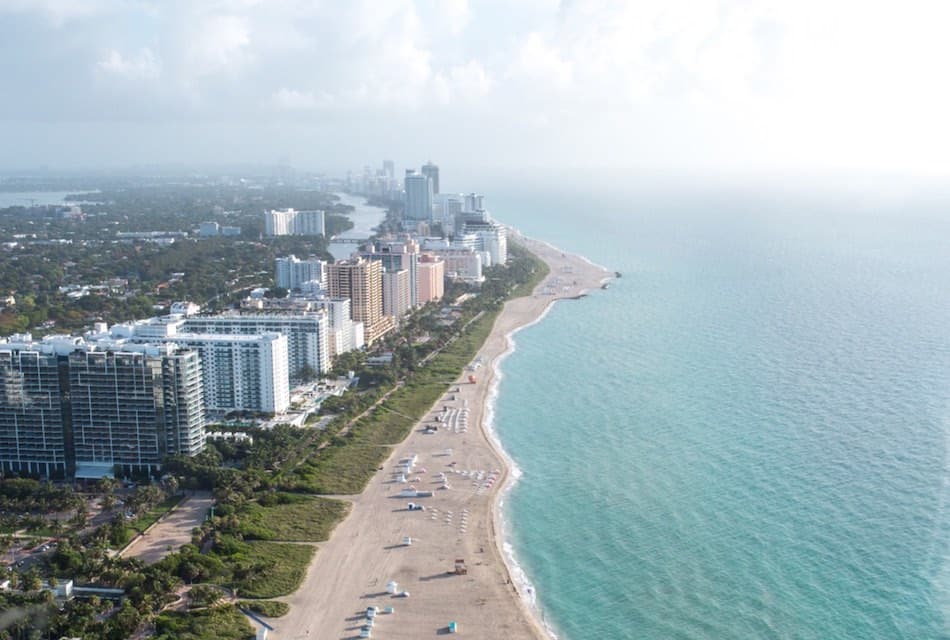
[[689, 85]]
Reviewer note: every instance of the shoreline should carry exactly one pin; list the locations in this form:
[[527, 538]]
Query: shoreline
[[351, 570], [525, 590]]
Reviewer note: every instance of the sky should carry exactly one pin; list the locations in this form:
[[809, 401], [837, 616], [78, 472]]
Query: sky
[[695, 85]]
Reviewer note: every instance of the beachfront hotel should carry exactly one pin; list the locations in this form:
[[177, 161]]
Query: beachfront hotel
[[128, 406]]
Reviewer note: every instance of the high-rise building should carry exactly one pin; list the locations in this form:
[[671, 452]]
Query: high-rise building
[[345, 334], [431, 278], [361, 281], [447, 210], [431, 171], [418, 199], [97, 408], [396, 255], [463, 264], [292, 273], [32, 437], [306, 331], [129, 409], [396, 293], [242, 372], [389, 169], [491, 237], [290, 222]]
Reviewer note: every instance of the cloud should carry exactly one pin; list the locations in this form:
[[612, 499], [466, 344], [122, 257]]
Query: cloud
[[538, 60], [723, 81], [292, 100], [140, 66]]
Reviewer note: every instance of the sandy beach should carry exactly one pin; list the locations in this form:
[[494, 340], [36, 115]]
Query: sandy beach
[[366, 551]]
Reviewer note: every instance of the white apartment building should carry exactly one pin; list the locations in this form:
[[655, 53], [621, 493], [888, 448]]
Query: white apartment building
[[345, 334], [295, 274], [242, 372], [307, 334], [290, 222]]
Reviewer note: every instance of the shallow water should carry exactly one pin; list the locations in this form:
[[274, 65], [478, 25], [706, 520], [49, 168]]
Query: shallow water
[[746, 435]]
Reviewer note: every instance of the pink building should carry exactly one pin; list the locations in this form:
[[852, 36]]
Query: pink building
[[430, 278]]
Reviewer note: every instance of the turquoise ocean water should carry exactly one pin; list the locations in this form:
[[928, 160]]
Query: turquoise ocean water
[[746, 436]]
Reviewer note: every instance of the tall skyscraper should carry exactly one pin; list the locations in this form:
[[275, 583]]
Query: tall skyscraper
[[418, 199], [431, 171], [389, 168], [361, 281]]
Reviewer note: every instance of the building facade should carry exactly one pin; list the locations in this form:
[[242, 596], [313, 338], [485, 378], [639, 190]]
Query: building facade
[[306, 331], [396, 293], [290, 222], [292, 273], [361, 281], [431, 171], [242, 372], [431, 284], [396, 255], [418, 199], [32, 433], [130, 409]]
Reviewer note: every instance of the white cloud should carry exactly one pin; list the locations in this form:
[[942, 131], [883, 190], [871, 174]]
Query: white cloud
[[218, 43], [538, 60], [470, 79], [716, 81], [140, 66]]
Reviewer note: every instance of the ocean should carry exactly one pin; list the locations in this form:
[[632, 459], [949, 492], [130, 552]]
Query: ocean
[[746, 435]]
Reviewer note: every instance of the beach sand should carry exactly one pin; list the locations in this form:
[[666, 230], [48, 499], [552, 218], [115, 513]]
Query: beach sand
[[365, 552]]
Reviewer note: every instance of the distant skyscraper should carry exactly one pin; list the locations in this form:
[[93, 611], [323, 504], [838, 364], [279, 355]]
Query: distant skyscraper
[[290, 222], [418, 199], [431, 171], [389, 169]]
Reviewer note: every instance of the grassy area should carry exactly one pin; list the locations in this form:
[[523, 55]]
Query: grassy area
[[274, 568], [342, 468], [291, 517], [268, 608], [223, 622]]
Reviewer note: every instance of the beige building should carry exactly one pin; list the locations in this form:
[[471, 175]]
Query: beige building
[[431, 278], [362, 282], [397, 293]]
